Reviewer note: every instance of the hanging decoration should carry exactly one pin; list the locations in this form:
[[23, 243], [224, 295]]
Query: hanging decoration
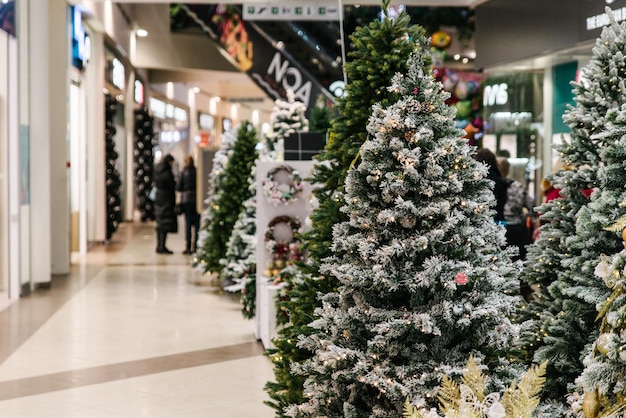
[[282, 193], [283, 251], [113, 182], [144, 162]]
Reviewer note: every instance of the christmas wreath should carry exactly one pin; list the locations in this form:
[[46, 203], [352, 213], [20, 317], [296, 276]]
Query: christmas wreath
[[283, 253], [282, 193]]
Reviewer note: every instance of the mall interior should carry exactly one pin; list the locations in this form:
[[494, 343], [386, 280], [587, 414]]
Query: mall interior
[[93, 322]]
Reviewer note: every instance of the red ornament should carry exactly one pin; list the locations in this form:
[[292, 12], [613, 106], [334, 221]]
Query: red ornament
[[461, 278]]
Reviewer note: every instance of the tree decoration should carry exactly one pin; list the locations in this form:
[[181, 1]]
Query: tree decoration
[[281, 193], [468, 399], [283, 252], [418, 214], [287, 117], [380, 49]]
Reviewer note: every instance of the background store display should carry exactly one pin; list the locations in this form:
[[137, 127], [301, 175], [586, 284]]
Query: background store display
[[113, 182], [144, 162]]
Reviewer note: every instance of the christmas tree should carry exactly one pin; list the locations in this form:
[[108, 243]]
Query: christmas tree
[[220, 159], [425, 280], [228, 203], [240, 261], [287, 117], [380, 49], [566, 325], [602, 380]]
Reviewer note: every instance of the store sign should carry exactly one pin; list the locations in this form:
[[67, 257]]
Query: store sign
[[81, 43], [312, 10], [280, 76], [157, 107], [206, 121], [119, 74], [496, 94]]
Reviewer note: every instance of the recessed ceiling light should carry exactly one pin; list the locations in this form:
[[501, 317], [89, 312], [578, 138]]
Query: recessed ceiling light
[[142, 33]]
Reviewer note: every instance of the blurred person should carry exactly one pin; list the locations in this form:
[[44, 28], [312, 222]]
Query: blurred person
[[187, 187], [487, 157], [516, 209], [165, 202]]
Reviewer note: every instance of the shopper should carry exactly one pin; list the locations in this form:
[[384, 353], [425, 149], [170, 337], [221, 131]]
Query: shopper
[[165, 202], [187, 187], [487, 157], [516, 210]]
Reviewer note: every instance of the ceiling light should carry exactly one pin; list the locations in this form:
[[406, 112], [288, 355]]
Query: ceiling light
[[142, 33]]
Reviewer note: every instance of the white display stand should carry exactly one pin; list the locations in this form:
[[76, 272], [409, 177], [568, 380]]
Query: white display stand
[[266, 291]]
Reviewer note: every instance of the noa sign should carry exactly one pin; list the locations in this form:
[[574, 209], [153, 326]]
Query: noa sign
[[290, 78], [496, 94]]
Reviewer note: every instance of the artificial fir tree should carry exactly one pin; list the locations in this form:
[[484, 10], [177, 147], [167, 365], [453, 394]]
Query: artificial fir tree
[[220, 159], [320, 116], [228, 203], [380, 49], [144, 162], [113, 182], [603, 380], [565, 325], [425, 280], [239, 272], [287, 117]]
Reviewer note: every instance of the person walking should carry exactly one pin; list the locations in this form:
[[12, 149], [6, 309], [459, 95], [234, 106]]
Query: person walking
[[165, 202], [187, 187]]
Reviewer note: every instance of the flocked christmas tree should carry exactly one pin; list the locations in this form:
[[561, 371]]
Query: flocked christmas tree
[[566, 323], [113, 181], [144, 162], [287, 117], [425, 279], [239, 272], [228, 202], [220, 159], [604, 377], [380, 49]]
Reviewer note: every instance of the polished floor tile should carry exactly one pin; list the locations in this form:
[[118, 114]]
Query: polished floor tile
[[129, 333]]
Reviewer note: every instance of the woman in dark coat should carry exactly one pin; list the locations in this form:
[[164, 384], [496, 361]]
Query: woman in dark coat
[[187, 186], [165, 202], [487, 157]]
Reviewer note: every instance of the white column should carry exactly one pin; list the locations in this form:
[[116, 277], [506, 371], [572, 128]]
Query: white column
[[96, 171]]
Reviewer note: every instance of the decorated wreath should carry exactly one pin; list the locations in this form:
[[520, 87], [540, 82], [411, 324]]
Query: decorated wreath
[[283, 253], [282, 193]]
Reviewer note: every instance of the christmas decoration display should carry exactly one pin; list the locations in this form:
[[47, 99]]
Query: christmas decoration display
[[419, 212], [574, 237], [220, 159], [468, 399], [144, 162], [283, 192], [287, 117], [113, 181], [228, 203], [380, 49], [284, 251]]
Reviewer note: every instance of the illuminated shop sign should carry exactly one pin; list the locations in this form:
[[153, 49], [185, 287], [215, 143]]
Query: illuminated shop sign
[[163, 110], [206, 121], [496, 94], [81, 43]]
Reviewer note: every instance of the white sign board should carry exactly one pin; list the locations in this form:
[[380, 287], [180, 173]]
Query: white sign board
[[294, 10]]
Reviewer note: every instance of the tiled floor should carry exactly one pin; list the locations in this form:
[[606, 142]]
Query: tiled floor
[[130, 333]]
